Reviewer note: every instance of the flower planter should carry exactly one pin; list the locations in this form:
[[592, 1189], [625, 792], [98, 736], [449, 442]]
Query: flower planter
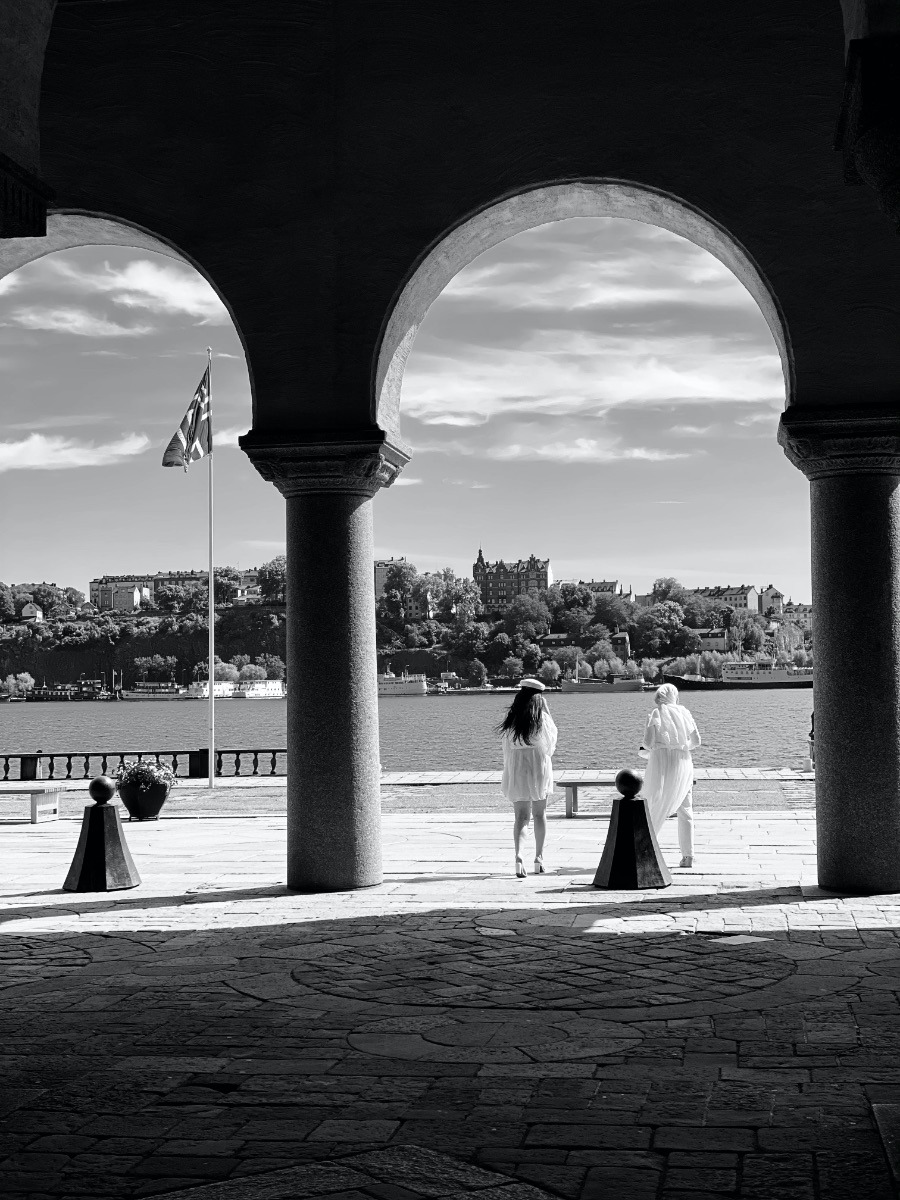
[[143, 804]]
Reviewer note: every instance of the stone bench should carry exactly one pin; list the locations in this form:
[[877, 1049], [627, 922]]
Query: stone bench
[[44, 800], [571, 790]]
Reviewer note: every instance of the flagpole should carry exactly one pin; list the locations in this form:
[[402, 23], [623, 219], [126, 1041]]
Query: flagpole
[[212, 594]]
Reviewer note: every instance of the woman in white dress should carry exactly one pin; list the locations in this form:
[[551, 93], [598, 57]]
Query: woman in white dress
[[529, 738], [670, 736]]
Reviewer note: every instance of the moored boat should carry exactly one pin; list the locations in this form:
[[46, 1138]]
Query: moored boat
[[611, 683], [154, 691], [746, 674], [259, 689], [390, 684]]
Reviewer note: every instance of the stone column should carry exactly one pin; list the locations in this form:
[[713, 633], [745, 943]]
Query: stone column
[[333, 800], [852, 460]]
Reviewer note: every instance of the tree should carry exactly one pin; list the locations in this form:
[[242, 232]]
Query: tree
[[46, 596], [477, 673], [498, 648], [250, 672], [612, 611], [158, 668], [527, 616], [272, 580], [399, 582], [513, 668], [7, 608], [550, 672], [531, 657], [226, 581], [583, 669], [575, 621], [226, 673], [667, 588], [659, 630], [272, 665], [20, 599], [568, 657], [240, 660]]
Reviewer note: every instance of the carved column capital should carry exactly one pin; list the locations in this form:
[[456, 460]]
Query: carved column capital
[[352, 465], [841, 442]]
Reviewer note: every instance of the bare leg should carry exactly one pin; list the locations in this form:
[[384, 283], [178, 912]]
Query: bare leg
[[539, 810], [522, 811]]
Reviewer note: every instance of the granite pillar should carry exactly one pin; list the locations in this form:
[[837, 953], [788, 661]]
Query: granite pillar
[[852, 461], [333, 792]]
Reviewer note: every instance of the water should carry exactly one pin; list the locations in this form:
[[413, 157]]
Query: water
[[739, 729]]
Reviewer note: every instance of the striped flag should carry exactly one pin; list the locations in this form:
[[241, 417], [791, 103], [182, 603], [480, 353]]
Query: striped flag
[[193, 438]]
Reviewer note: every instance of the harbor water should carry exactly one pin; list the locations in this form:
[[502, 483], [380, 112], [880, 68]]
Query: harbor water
[[743, 728]]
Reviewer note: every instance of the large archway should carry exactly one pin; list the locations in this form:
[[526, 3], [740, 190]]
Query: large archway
[[526, 210]]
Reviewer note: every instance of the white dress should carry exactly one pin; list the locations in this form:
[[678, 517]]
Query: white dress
[[528, 770], [670, 736]]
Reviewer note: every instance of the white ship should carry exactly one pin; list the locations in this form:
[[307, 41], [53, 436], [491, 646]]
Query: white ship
[[259, 689], [223, 689], [764, 673], [612, 683], [155, 691], [401, 685]]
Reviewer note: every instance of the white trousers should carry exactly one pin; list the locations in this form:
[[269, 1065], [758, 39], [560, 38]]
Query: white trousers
[[685, 814]]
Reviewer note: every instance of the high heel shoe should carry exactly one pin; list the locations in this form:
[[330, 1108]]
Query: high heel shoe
[[520, 869], [539, 865]]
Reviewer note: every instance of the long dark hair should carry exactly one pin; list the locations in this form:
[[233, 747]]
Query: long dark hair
[[524, 717]]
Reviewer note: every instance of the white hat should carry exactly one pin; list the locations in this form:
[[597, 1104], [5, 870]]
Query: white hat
[[532, 683]]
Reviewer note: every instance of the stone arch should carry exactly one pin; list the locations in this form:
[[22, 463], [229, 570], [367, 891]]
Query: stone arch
[[539, 206], [70, 228]]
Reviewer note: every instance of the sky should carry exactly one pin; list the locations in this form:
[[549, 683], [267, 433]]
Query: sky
[[596, 391]]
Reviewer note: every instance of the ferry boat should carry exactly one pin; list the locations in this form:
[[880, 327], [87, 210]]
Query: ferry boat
[[223, 689], [260, 689], [612, 683], [154, 691], [402, 685], [757, 674]]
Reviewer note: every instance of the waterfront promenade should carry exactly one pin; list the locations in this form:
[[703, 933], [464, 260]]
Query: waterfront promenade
[[731, 1036]]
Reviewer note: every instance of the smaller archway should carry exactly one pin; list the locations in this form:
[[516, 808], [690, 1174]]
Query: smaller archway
[[527, 210]]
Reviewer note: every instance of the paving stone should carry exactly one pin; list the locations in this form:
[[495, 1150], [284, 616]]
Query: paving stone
[[556, 1032]]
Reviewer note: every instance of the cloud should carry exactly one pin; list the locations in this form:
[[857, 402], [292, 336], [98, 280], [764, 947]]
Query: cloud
[[41, 453], [164, 288], [105, 354], [691, 430], [75, 321], [405, 481], [468, 483], [228, 438], [9, 283], [582, 449], [578, 318]]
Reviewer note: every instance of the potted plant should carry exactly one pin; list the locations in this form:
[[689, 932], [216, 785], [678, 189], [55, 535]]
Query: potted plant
[[143, 788]]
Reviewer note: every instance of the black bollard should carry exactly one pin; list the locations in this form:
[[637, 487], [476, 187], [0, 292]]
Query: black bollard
[[631, 857], [102, 862]]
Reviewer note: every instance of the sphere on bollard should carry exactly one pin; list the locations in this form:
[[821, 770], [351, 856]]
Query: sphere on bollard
[[628, 783], [102, 789]]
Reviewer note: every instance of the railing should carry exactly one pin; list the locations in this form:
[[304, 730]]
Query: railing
[[184, 763]]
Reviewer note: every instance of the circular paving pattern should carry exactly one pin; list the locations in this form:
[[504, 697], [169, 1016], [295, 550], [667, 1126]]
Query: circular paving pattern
[[534, 968], [479, 1037], [24, 960]]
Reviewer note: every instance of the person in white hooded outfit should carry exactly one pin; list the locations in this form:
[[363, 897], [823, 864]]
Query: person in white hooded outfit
[[528, 736], [669, 738]]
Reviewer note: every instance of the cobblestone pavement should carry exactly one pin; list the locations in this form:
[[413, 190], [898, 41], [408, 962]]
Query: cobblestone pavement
[[725, 1037]]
